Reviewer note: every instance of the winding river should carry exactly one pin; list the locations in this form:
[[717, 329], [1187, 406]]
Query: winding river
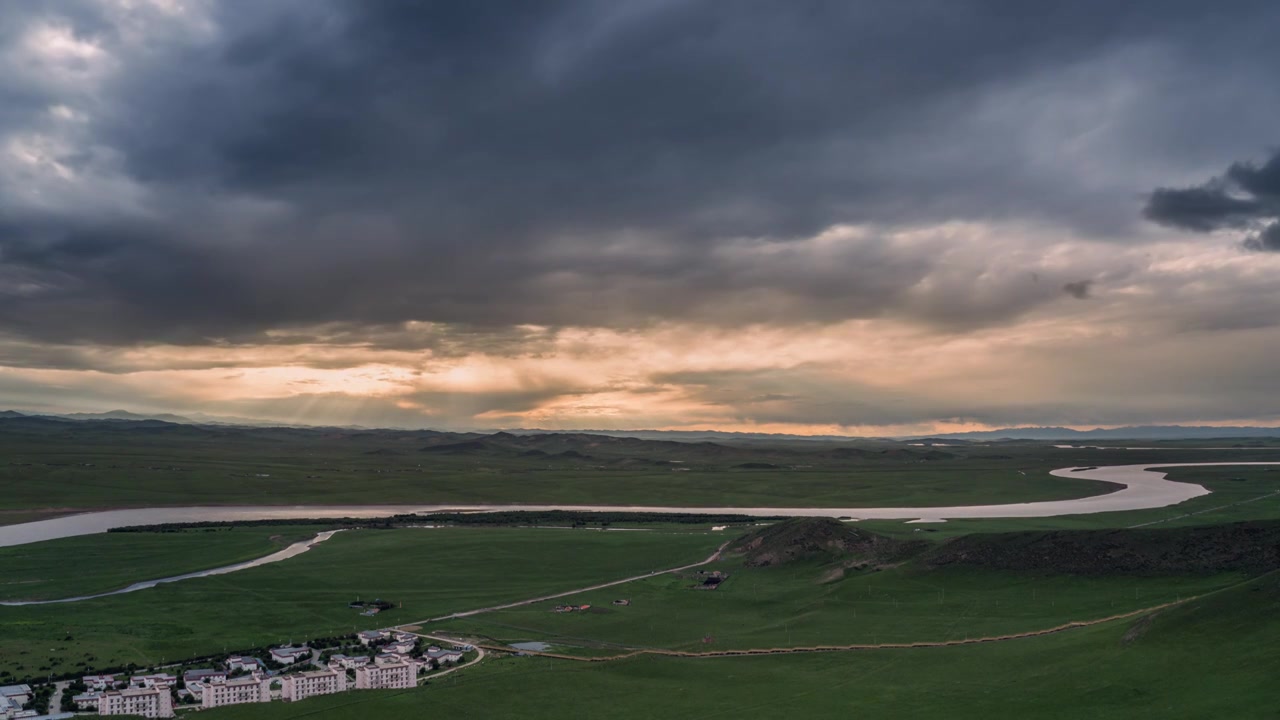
[[1141, 489]]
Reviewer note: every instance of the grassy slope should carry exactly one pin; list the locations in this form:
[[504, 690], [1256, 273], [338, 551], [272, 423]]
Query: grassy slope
[[1215, 658], [100, 563], [787, 605], [431, 572]]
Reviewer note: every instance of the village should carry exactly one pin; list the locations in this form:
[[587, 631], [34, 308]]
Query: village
[[369, 660]]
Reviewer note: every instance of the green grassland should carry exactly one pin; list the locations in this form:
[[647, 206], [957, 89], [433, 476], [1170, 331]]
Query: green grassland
[[1238, 493], [1170, 665], [55, 466], [800, 605], [150, 476], [426, 572], [93, 564], [1211, 658]]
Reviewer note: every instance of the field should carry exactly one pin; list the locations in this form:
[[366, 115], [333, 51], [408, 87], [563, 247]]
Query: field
[[1214, 657], [815, 581], [105, 464], [50, 467], [1238, 493], [791, 606], [121, 478], [1209, 654], [424, 572], [94, 564]]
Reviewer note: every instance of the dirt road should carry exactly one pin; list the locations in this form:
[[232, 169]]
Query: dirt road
[[468, 613]]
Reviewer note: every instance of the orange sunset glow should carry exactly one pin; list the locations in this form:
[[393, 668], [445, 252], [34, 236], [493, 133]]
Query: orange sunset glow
[[986, 246]]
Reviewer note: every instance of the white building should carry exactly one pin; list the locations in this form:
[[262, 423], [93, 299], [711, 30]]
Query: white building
[[20, 694], [248, 689], [150, 681], [99, 682], [351, 662], [369, 636], [386, 677], [246, 663], [87, 700], [289, 655], [148, 702], [203, 675], [400, 646], [444, 656], [309, 684], [401, 636]]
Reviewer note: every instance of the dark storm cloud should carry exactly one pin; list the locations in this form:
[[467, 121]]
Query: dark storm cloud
[[1267, 239], [1078, 289], [1246, 196], [563, 163]]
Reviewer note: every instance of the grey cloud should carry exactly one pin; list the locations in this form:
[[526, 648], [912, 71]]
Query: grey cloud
[[1078, 289], [1200, 208], [346, 164], [1246, 196], [1267, 239]]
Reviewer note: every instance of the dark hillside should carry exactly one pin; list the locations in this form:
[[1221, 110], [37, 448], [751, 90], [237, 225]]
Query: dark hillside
[[806, 538], [1246, 547]]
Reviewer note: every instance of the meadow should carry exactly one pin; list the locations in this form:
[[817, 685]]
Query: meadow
[[1214, 657], [797, 605], [104, 464], [94, 564], [144, 477], [1166, 664], [1237, 494], [424, 572]]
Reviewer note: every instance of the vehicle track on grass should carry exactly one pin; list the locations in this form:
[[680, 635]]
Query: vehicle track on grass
[[577, 591], [921, 644]]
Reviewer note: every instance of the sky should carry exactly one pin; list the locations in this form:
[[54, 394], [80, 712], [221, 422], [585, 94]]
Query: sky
[[844, 217]]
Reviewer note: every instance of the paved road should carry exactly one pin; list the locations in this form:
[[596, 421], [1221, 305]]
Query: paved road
[[480, 655], [55, 702]]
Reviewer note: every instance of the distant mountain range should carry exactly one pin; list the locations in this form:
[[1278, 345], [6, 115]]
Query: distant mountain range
[[692, 435], [1132, 432], [192, 419]]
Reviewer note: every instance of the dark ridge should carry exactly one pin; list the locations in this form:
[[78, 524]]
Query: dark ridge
[[1244, 546], [824, 538], [459, 448], [853, 453]]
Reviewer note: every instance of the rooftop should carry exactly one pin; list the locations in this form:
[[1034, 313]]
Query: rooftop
[[8, 690]]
